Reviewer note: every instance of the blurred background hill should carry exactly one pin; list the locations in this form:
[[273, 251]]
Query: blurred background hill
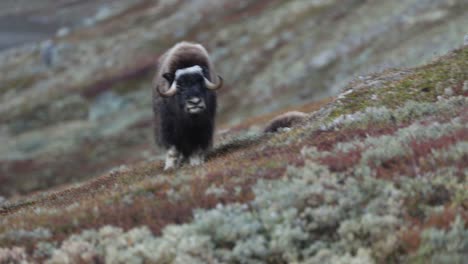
[[75, 76]]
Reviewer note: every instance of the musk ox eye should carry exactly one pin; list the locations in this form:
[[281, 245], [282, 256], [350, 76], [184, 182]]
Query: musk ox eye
[[181, 89], [169, 77]]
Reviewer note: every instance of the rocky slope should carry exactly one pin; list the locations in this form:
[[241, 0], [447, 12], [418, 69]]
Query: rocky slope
[[376, 175], [78, 105]]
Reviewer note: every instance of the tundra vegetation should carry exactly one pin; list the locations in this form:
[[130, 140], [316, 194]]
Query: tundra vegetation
[[382, 181], [276, 56], [376, 174]]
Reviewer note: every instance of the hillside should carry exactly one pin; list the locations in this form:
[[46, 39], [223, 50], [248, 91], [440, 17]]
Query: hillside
[[377, 174], [78, 105]]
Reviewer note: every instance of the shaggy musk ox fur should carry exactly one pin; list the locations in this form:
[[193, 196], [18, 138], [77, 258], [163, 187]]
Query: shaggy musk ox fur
[[286, 120], [184, 103]]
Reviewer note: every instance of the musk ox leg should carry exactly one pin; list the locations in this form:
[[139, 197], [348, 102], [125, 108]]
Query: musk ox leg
[[173, 158], [197, 158]]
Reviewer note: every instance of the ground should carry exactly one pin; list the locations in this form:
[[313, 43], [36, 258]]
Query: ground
[[376, 173], [60, 99], [367, 178]]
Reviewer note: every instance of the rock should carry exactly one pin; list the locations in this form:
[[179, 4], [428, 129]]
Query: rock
[[103, 14], [62, 32], [55, 54], [323, 59], [119, 169], [448, 91], [88, 22], [465, 40], [48, 53]]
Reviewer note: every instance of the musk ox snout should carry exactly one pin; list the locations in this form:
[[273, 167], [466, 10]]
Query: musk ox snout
[[195, 105]]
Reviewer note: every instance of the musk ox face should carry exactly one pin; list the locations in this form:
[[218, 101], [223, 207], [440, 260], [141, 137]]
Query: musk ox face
[[191, 94], [191, 89]]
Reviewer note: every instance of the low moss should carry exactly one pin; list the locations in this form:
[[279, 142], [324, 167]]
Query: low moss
[[133, 83], [19, 83], [423, 84]]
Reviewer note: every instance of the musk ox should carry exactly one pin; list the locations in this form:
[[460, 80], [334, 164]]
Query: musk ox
[[286, 120], [184, 103]]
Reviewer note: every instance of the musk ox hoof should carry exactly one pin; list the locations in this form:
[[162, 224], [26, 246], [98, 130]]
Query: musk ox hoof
[[173, 159], [196, 159]]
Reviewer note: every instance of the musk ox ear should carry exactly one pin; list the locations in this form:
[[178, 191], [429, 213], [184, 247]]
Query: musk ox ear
[[167, 90], [169, 77], [206, 72]]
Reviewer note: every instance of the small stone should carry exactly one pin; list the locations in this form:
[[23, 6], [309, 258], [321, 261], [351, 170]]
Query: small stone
[[343, 95], [287, 36], [465, 40], [127, 199], [465, 86], [271, 44], [323, 59], [448, 91], [119, 169], [62, 32], [89, 22], [103, 13], [48, 52], [109, 63]]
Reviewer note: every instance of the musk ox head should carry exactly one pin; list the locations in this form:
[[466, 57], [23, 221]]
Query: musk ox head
[[190, 88]]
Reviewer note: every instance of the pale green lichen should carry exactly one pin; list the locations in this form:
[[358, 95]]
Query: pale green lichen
[[310, 215], [309, 204], [382, 148], [444, 246], [410, 111], [13, 255], [21, 234], [215, 191], [453, 153], [109, 244]]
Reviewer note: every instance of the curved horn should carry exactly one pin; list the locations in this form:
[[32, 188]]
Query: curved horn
[[213, 86], [172, 90]]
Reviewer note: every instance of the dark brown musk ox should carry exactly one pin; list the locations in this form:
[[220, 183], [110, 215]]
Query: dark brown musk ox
[[184, 103], [285, 121]]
